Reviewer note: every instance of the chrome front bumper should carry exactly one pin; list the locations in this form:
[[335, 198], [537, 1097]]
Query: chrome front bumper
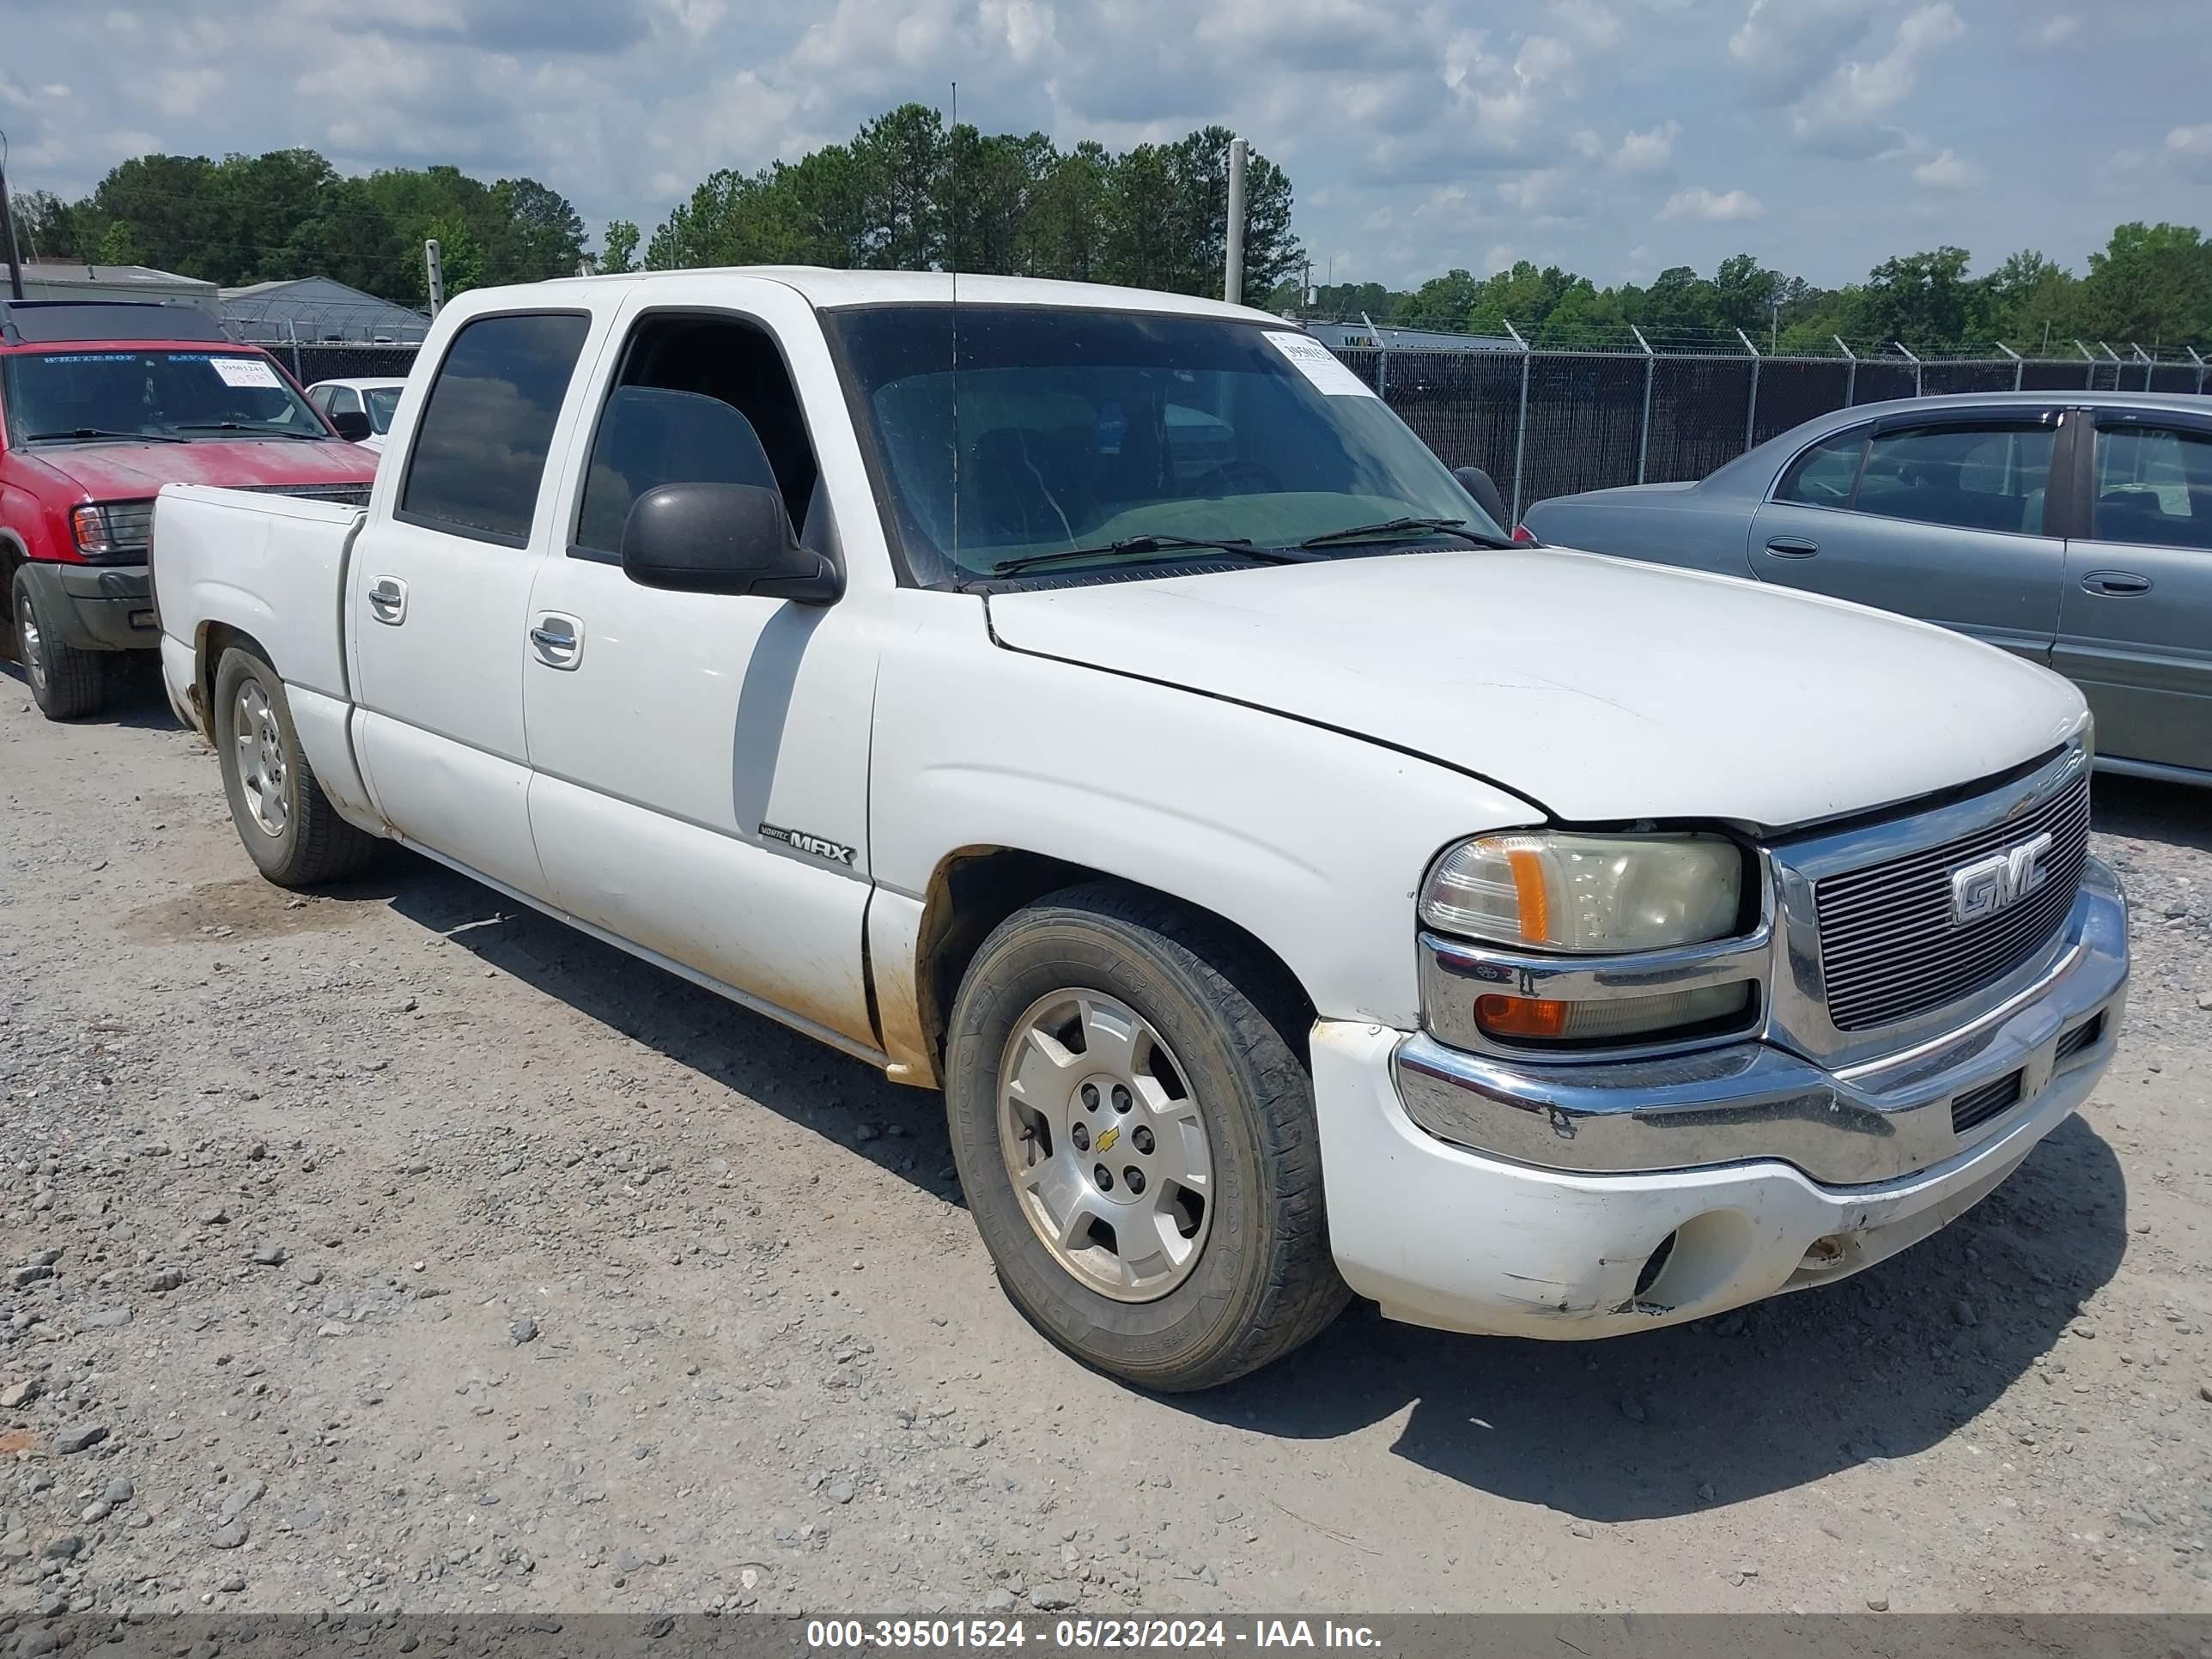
[[1884, 1118]]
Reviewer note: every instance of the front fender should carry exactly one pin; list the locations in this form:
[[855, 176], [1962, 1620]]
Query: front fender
[[1310, 840]]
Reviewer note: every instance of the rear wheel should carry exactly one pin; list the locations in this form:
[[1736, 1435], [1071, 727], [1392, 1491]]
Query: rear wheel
[[1135, 1135], [66, 684], [289, 828]]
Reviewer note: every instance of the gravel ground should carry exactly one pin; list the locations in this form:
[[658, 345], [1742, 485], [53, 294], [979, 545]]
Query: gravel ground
[[395, 1250]]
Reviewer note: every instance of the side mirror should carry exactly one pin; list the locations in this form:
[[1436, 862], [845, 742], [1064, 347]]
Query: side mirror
[[351, 425], [722, 539], [1480, 485]]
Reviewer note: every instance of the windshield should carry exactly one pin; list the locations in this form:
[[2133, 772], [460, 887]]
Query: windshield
[[381, 401], [152, 394], [1078, 429]]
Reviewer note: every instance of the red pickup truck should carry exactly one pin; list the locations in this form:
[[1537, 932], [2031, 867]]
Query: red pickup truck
[[101, 405]]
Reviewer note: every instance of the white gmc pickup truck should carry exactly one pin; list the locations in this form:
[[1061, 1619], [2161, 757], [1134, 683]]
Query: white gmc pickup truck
[[1098, 705]]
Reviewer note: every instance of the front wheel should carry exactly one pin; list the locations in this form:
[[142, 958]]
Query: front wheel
[[289, 828], [1135, 1135], [66, 683]]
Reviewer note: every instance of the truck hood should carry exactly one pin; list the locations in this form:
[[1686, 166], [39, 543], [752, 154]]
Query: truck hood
[[1601, 689], [121, 472]]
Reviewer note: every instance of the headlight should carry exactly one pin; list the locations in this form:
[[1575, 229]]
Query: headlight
[[112, 530], [1588, 895]]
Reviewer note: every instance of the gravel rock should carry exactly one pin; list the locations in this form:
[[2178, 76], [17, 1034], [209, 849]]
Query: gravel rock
[[17, 1395], [523, 1330], [80, 1439], [229, 1535]]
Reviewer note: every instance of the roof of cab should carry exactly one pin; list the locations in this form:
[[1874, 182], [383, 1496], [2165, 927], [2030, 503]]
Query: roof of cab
[[837, 288]]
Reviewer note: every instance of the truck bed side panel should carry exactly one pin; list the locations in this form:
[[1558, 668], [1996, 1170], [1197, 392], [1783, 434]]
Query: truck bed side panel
[[272, 566]]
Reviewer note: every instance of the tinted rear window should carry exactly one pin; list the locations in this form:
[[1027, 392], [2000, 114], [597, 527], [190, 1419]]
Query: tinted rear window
[[480, 447]]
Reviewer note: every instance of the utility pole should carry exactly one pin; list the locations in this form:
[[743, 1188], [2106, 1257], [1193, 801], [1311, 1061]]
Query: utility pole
[[7, 223], [1232, 279], [435, 272]]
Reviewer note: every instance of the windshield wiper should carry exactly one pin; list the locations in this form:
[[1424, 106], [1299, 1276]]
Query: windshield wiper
[[1240, 545], [1397, 526], [238, 426], [104, 432]]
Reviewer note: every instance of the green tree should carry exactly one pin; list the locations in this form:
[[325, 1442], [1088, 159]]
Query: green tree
[[176, 213], [1919, 298], [541, 236], [1523, 296], [460, 257], [47, 227], [902, 157], [1680, 305], [1745, 293], [1442, 302], [1585, 315], [621, 255], [117, 245], [2151, 283], [1064, 233]]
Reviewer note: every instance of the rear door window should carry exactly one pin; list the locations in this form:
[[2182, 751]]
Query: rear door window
[[2154, 487], [487, 423]]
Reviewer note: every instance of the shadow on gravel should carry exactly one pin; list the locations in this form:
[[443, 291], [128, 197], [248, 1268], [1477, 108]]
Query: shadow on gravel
[[2143, 809], [1881, 1365], [135, 698], [842, 1099]]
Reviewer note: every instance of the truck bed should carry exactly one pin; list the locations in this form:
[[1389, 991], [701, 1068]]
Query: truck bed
[[268, 565]]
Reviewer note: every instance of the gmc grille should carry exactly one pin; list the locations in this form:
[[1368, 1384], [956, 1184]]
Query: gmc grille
[[1889, 949]]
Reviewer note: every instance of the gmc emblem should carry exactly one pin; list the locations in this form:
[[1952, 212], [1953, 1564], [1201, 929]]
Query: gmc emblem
[[1998, 882]]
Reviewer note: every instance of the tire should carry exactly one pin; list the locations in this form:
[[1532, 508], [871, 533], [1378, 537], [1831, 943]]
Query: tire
[[290, 830], [66, 684], [1206, 1015]]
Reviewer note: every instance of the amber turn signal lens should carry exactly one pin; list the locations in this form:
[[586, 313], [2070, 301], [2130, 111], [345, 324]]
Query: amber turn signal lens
[[1521, 1017]]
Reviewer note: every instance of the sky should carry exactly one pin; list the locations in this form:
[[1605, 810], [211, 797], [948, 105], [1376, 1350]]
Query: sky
[[1614, 136]]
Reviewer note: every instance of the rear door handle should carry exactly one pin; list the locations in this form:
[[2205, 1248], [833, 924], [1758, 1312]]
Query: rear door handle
[[2117, 584], [387, 600], [558, 639], [1791, 547]]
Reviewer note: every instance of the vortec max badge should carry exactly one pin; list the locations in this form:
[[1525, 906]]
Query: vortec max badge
[[800, 841]]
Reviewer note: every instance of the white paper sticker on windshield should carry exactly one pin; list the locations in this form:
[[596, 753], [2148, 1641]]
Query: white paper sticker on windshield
[[1320, 365], [245, 371]]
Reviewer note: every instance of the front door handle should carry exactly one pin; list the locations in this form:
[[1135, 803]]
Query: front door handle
[[2117, 584], [557, 639], [387, 600], [1791, 547]]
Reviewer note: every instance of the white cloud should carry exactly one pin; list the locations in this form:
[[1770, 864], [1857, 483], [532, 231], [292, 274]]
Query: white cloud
[[2191, 149], [1948, 172], [1843, 113], [1418, 133], [1698, 203], [1647, 152], [1784, 46]]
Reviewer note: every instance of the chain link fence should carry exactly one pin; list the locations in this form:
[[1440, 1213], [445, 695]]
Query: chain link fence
[[310, 362], [1545, 422]]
